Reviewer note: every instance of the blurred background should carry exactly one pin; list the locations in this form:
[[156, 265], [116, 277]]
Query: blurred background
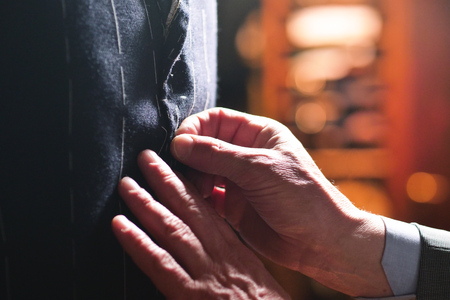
[[363, 84]]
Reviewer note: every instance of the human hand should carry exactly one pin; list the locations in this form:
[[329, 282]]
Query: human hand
[[280, 203], [199, 256]]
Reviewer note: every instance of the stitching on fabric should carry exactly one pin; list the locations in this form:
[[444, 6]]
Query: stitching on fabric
[[119, 46], [205, 52], [123, 85], [70, 116], [161, 17], [64, 10], [70, 160], [122, 156], [189, 29], [170, 54], [154, 67], [177, 112], [120, 203], [165, 138], [122, 79], [193, 88], [70, 153], [122, 151], [157, 105], [148, 19], [66, 43], [207, 100], [72, 203]]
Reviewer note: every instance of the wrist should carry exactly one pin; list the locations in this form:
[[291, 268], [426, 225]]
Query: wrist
[[361, 256], [348, 257]]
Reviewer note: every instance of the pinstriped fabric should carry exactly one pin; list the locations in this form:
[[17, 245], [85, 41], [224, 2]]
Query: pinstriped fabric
[[122, 150], [70, 151], [89, 85]]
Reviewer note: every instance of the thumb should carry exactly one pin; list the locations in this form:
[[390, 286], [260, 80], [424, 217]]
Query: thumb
[[213, 156]]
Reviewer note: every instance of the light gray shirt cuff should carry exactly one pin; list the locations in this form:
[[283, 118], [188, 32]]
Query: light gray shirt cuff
[[401, 256]]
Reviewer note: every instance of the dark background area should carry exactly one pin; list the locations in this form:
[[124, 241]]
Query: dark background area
[[232, 71]]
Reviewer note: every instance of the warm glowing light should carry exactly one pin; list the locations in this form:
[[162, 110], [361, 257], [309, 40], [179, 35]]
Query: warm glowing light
[[370, 163], [296, 80], [427, 188], [340, 25], [366, 128], [331, 136], [366, 195], [320, 64], [310, 117], [361, 55], [334, 104], [310, 69], [250, 41]]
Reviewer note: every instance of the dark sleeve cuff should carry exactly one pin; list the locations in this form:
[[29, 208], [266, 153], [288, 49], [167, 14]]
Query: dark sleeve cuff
[[434, 273]]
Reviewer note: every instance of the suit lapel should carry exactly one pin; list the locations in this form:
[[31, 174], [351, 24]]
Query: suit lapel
[[171, 15], [175, 31]]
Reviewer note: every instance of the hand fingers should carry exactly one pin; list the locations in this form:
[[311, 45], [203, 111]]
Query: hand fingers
[[155, 262], [170, 231], [216, 157], [185, 202], [232, 126]]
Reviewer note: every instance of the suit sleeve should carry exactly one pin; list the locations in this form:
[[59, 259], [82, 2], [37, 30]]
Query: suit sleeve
[[434, 273]]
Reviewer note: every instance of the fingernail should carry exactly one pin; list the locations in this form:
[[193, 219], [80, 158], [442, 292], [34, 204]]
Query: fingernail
[[149, 155], [182, 146], [121, 222], [129, 183]]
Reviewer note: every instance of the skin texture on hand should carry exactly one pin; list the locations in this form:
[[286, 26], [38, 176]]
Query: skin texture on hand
[[274, 195], [198, 255]]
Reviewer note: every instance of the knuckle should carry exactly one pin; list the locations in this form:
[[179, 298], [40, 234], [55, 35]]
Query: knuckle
[[175, 228], [166, 175], [166, 261], [143, 197], [141, 241], [216, 147]]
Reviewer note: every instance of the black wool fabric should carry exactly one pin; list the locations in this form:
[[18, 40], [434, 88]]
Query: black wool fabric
[[434, 272], [85, 86]]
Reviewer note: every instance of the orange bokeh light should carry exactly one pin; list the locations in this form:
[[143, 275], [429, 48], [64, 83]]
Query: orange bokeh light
[[427, 188]]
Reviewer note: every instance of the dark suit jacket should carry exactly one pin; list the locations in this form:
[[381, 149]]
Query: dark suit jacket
[[85, 86], [434, 272]]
